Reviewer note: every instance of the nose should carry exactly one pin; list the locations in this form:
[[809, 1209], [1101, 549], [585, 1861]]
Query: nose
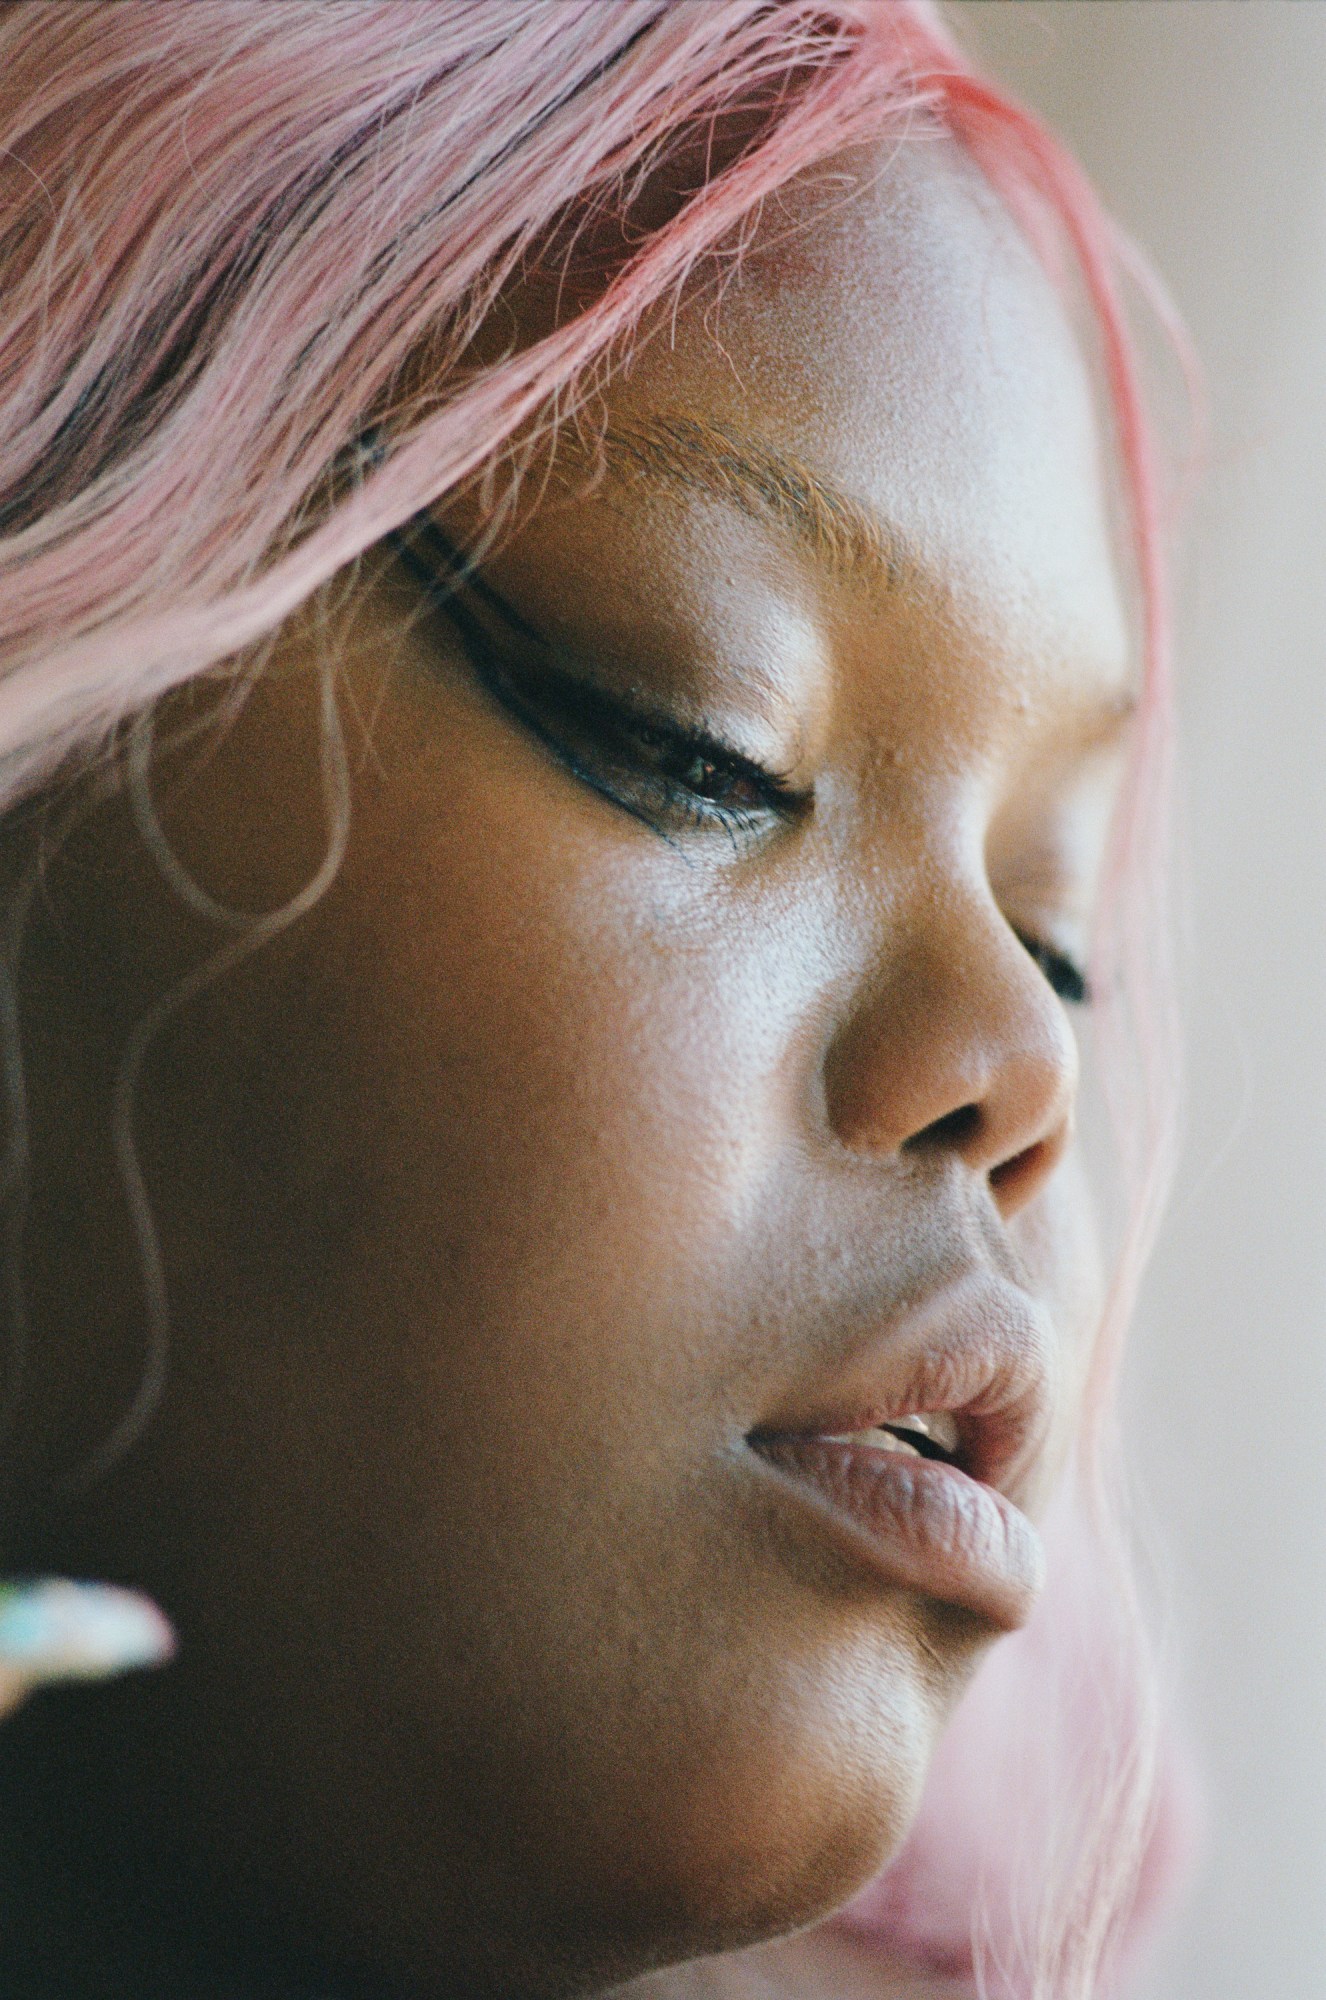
[[957, 1045]]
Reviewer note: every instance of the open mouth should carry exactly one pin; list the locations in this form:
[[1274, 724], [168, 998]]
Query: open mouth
[[922, 1434], [913, 1454]]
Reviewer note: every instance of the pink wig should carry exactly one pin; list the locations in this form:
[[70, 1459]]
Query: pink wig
[[225, 230]]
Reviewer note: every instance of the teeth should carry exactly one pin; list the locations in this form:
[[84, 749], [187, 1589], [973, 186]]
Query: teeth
[[939, 1426], [880, 1440]]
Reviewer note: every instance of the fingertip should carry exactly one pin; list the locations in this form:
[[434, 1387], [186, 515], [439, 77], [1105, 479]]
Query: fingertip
[[56, 1629]]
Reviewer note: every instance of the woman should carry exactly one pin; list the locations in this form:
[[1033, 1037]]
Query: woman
[[571, 726]]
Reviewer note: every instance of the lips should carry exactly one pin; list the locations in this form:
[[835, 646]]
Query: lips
[[973, 1368], [922, 1525]]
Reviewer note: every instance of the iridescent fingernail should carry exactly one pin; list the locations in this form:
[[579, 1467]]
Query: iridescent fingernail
[[54, 1629]]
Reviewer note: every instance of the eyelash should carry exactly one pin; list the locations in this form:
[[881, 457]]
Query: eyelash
[[1065, 977], [692, 773], [664, 753], [603, 714]]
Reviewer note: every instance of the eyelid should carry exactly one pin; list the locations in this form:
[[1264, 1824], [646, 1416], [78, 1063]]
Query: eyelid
[[1065, 976], [455, 575]]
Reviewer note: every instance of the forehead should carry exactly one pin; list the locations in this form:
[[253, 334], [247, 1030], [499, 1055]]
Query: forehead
[[888, 328]]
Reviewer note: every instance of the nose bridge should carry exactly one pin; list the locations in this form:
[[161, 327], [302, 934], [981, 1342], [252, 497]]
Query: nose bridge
[[955, 1041]]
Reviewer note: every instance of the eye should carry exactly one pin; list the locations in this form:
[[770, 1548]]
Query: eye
[[1068, 979], [710, 773], [661, 771]]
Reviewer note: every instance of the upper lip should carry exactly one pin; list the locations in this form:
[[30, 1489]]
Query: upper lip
[[979, 1347]]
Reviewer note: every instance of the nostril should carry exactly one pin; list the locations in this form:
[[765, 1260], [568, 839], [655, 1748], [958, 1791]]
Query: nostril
[[956, 1129], [1013, 1181]]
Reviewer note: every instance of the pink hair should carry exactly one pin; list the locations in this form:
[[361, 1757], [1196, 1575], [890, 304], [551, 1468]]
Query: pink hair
[[225, 231]]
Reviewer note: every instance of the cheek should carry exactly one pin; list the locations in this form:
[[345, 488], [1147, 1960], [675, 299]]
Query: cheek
[[534, 1106], [516, 1059], [550, 1121], [561, 1068]]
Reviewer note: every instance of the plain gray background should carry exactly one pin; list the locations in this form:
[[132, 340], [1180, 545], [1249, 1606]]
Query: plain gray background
[[1204, 124]]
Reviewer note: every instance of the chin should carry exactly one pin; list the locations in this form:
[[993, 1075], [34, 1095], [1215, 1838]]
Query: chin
[[784, 1834]]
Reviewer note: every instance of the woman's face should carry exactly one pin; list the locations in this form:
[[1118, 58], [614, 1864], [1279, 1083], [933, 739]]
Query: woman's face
[[632, 1113]]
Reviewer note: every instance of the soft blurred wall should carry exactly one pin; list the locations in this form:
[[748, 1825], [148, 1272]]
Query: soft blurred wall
[[1204, 122]]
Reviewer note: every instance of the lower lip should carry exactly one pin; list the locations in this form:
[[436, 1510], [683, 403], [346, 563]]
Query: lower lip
[[919, 1524]]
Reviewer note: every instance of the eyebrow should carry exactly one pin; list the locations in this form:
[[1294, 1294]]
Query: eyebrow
[[769, 486], [775, 488]]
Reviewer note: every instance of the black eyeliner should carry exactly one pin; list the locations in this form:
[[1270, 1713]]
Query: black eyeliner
[[454, 575]]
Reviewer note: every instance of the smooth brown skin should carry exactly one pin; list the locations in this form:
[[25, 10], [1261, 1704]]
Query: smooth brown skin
[[504, 1194]]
